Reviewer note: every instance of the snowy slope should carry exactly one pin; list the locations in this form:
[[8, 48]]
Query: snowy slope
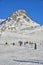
[[20, 26], [12, 55]]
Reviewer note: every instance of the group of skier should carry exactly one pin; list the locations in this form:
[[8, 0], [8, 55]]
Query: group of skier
[[25, 43]]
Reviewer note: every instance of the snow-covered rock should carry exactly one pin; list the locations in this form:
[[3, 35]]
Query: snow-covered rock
[[20, 26]]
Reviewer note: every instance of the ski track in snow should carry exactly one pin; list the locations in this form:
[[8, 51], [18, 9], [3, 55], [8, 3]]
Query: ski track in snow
[[30, 61], [16, 55]]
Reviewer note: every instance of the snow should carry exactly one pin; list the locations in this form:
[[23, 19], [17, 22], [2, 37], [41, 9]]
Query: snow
[[12, 55], [15, 30], [9, 53]]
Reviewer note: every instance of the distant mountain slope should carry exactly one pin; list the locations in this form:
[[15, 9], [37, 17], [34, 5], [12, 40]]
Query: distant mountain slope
[[2, 21], [20, 25], [19, 19]]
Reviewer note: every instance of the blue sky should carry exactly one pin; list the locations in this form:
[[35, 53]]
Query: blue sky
[[34, 8]]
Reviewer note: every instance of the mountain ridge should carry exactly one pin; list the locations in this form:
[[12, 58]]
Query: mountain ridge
[[19, 26]]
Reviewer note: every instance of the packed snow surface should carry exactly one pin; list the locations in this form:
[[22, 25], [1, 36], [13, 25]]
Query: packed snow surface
[[20, 27], [21, 55]]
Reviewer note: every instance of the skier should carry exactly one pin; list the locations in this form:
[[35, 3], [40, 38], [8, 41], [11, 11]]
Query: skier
[[35, 46], [13, 43], [20, 43], [6, 43], [25, 42]]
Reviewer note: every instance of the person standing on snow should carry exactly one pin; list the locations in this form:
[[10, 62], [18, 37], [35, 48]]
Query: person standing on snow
[[35, 46]]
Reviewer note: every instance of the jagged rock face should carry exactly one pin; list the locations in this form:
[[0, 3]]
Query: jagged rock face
[[18, 14], [18, 21]]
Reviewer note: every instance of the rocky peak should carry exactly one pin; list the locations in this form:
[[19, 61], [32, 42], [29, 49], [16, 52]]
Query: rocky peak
[[20, 14]]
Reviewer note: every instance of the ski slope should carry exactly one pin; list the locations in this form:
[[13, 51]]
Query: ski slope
[[21, 55], [20, 27]]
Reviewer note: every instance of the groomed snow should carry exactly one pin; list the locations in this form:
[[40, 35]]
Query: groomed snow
[[9, 55], [20, 27]]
